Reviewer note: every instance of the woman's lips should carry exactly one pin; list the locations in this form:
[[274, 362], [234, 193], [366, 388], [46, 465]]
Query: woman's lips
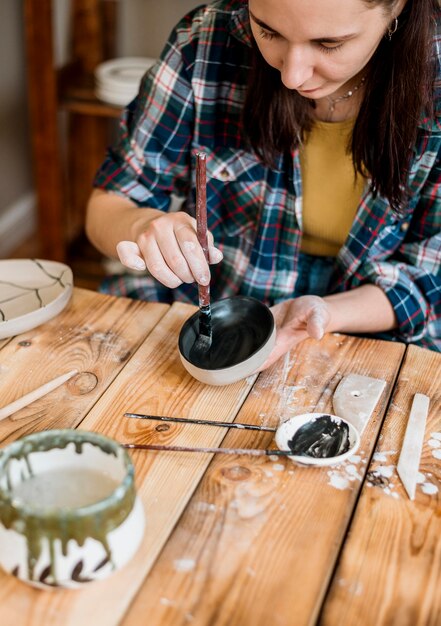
[[308, 90]]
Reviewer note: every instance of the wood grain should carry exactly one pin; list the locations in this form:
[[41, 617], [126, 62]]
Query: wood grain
[[153, 381], [390, 572], [259, 540], [96, 335]]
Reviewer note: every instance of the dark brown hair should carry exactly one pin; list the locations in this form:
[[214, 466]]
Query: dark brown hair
[[398, 91]]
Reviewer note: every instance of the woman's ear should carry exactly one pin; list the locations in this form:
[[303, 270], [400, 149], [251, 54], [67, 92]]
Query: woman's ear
[[398, 8], [394, 22]]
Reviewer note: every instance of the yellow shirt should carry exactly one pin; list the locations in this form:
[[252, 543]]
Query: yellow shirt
[[331, 192]]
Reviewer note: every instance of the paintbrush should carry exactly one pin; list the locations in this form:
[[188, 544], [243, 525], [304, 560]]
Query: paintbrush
[[184, 420], [203, 340], [247, 451]]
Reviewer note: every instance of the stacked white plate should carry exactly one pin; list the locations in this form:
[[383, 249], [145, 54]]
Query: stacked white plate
[[32, 291], [117, 81]]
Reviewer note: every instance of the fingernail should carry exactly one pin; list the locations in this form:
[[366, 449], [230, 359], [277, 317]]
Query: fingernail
[[216, 255], [203, 279], [137, 264]]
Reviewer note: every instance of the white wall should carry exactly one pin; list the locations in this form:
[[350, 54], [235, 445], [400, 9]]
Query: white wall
[[146, 24], [143, 25]]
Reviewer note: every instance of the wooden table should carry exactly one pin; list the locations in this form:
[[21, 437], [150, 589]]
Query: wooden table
[[236, 540]]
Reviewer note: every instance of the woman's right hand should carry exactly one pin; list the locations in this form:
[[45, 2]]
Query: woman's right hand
[[169, 249]]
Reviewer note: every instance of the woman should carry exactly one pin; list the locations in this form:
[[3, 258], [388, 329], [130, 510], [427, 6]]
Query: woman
[[321, 122]]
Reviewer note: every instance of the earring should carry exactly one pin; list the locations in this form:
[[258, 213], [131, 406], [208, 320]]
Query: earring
[[392, 29]]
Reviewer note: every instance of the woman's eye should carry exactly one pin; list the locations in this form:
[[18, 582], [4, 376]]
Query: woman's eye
[[330, 47], [266, 34]]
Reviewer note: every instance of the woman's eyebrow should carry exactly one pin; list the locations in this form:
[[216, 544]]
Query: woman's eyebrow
[[262, 24], [315, 40], [334, 39]]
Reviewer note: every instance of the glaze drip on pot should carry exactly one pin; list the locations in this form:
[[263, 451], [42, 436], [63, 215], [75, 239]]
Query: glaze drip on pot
[[37, 524]]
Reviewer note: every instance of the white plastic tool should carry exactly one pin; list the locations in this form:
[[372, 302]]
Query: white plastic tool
[[356, 398], [409, 461]]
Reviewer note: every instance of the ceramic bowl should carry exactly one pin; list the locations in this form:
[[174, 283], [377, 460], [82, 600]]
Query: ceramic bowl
[[243, 336], [318, 433], [69, 513], [117, 80], [33, 291]]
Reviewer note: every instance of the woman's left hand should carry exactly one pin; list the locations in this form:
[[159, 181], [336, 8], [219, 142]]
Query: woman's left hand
[[296, 320]]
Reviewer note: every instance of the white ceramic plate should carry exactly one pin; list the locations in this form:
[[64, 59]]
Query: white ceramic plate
[[32, 292], [122, 72], [114, 97]]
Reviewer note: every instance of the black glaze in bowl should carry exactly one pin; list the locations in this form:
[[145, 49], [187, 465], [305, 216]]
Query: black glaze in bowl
[[241, 326], [321, 438]]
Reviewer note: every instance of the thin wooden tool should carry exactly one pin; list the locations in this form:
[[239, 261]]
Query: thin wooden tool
[[183, 420], [30, 397], [409, 461], [247, 451], [203, 340]]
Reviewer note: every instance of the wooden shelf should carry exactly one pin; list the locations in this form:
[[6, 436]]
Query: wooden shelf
[[90, 107], [76, 93], [65, 160]]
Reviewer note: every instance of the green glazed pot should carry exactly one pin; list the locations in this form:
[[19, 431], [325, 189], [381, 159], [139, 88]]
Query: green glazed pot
[[69, 513]]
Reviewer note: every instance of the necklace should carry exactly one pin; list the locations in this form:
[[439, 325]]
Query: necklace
[[334, 101]]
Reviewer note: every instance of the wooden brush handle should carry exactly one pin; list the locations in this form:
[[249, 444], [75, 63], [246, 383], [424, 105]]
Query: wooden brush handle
[[248, 451], [201, 218]]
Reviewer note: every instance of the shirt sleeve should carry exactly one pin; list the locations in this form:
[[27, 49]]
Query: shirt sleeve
[[151, 157], [411, 277]]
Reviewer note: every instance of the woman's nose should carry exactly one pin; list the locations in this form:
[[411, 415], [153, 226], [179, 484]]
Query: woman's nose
[[297, 67]]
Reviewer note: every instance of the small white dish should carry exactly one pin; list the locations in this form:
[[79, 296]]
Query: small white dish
[[32, 291], [317, 433], [117, 80], [122, 71], [244, 334], [114, 97]]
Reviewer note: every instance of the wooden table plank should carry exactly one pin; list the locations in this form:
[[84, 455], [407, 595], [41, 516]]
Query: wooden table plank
[[260, 538], [95, 334], [153, 381], [390, 573]]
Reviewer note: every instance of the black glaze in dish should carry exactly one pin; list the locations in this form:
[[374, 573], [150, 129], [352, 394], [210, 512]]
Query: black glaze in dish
[[323, 437], [240, 327]]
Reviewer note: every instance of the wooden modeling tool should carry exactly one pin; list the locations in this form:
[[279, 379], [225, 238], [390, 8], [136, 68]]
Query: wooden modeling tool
[[409, 461], [203, 339], [30, 397]]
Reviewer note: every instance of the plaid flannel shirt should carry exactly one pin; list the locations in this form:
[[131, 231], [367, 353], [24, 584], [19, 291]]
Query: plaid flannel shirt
[[192, 100]]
